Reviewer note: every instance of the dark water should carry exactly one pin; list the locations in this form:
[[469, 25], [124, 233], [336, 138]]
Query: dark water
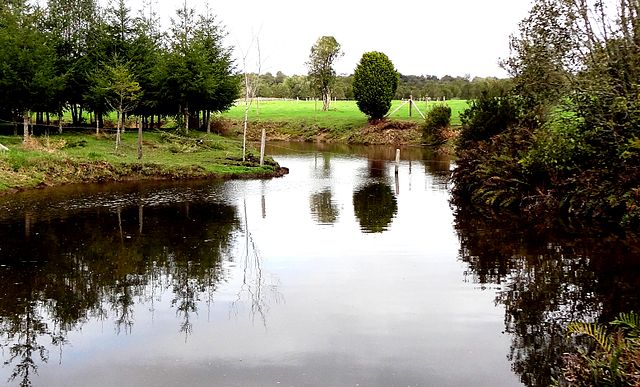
[[338, 274]]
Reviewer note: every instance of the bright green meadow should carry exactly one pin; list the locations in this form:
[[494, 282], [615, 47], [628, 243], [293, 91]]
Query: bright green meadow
[[342, 115]]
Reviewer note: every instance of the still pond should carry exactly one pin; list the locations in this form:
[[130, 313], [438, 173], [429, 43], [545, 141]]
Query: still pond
[[341, 273]]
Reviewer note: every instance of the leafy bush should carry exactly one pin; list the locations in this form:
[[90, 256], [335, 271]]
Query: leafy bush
[[438, 119], [487, 117], [375, 81], [613, 361], [558, 146]]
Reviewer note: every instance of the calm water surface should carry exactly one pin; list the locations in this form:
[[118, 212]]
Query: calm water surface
[[339, 274]]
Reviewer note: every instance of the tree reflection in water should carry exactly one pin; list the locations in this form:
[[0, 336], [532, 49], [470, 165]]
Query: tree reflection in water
[[257, 290], [323, 209], [375, 206], [58, 273], [546, 278]]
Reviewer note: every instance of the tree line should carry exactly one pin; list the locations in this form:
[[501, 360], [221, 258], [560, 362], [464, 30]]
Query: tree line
[[75, 56], [280, 85]]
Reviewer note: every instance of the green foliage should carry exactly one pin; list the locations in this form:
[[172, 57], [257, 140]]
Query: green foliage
[[421, 87], [437, 120], [321, 73], [487, 117], [27, 79], [375, 81], [62, 57], [615, 359], [559, 146], [575, 106]]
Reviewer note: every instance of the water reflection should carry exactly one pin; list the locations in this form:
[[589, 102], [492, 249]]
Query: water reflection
[[57, 273], [438, 165], [323, 208], [148, 262], [546, 278], [375, 206]]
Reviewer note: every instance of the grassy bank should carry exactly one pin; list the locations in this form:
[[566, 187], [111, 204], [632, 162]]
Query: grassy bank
[[305, 120], [76, 158]]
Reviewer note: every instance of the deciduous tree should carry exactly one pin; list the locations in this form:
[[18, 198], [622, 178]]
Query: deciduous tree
[[323, 54]]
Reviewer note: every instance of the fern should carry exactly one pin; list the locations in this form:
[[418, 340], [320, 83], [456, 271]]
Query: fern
[[595, 331], [629, 320]]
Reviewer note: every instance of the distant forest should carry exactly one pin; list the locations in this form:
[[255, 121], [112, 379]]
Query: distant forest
[[418, 86]]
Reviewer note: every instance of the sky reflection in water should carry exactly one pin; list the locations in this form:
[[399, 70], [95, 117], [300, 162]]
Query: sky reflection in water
[[301, 280]]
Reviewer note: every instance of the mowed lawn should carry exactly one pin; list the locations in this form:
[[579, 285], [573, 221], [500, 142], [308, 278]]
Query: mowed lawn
[[341, 115]]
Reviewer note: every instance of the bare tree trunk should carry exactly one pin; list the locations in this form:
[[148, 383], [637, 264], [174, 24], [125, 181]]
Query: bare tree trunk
[[25, 123], [118, 129], [246, 115], [140, 139], [60, 123], [244, 131], [326, 99], [186, 118], [257, 83], [208, 113], [263, 140]]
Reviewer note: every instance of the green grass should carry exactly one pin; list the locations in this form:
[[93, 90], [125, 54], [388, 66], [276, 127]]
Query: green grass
[[73, 158], [343, 115]]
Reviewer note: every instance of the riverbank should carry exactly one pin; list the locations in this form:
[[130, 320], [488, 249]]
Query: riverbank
[[343, 123], [389, 132], [84, 158]]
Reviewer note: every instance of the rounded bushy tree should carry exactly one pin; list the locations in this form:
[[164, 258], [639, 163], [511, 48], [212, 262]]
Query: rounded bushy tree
[[375, 81]]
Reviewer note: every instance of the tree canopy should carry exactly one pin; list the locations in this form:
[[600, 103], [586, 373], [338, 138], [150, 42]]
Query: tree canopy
[[54, 59], [375, 81], [321, 73], [566, 137]]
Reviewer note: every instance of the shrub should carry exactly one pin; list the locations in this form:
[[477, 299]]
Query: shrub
[[438, 119], [487, 117], [375, 81], [612, 360], [558, 146]]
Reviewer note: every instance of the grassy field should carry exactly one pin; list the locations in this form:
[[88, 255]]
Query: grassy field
[[74, 158], [342, 114], [305, 120]]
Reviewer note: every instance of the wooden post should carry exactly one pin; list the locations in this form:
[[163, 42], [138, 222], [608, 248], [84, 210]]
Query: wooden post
[[140, 139], [263, 139]]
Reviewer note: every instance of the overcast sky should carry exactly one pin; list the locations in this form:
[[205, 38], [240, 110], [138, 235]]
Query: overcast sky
[[430, 37]]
